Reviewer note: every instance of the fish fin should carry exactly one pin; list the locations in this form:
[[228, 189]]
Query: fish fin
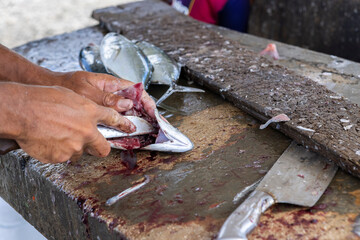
[[178, 88], [165, 95], [170, 109]]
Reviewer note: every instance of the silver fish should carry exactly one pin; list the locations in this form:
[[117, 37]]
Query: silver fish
[[166, 70], [124, 59], [169, 138], [142, 127], [90, 60], [356, 226]]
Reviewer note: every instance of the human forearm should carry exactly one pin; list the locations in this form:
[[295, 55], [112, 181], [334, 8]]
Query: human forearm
[[40, 119], [15, 68], [11, 99], [97, 87]]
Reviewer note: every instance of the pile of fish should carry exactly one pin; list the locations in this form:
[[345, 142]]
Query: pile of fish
[[139, 62]]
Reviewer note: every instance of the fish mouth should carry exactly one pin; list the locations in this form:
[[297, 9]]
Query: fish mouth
[[168, 139]]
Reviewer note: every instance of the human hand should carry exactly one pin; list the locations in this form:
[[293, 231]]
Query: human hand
[[54, 124], [99, 88]]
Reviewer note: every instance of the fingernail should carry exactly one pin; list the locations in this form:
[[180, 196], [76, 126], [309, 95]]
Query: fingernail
[[125, 104]]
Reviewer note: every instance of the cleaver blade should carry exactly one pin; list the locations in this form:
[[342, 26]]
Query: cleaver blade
[[298, 177]]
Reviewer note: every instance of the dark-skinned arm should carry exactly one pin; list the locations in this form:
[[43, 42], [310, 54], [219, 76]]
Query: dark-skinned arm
[[54, 124], [95, 86]]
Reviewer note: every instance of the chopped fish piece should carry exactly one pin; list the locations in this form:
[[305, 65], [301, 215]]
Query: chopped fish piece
[[279, 118], [271, 51]]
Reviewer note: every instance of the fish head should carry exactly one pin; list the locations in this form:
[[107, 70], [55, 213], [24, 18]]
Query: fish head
[[122, 58], [169, 138], [166, 69]]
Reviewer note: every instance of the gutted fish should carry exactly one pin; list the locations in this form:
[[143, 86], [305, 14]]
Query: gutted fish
[[155, 135], [124, 59], [90, 60], [167, 139], [166, 70]]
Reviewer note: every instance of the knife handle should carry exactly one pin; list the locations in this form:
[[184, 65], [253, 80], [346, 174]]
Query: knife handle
[[246, 217], [7, 145]]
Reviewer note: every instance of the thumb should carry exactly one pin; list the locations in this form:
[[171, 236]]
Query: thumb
[[108, 99], [116, 102], [110, 117]]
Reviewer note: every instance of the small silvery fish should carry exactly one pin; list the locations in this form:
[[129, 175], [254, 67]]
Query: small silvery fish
[[124, 59], [166, 70], [90, 60]]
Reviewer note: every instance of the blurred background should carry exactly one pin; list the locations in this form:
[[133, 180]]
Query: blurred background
[[22, 21]]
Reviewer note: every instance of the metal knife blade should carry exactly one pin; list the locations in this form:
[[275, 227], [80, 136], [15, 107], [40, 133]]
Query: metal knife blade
[[7, 145], [298, 177]]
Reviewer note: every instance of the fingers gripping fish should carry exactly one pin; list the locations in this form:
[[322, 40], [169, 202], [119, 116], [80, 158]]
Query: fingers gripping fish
[[153, 134]]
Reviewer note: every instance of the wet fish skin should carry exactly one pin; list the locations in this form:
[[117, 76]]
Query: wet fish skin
[[166, 70], [176, 141], [165, 138], [170, 139], [90, 60], [124, 59]]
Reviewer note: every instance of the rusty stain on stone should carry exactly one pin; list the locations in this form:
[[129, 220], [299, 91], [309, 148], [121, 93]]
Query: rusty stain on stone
[[356, 194], [304, 224]]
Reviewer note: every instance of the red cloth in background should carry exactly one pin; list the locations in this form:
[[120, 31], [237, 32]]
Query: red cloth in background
[[206, 10]]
